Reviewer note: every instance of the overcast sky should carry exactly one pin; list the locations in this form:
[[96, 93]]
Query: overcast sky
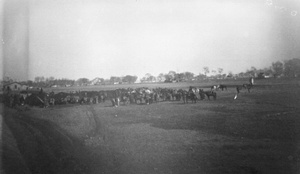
[[103, 38]]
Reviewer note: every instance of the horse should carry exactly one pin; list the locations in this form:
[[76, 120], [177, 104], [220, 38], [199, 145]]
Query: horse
[[102, 96], [248, 87], [61, 98], [208, 94], [202, 94], [192, 96], [244, 86], [147, 96], [238, 88], [125, 98], [139, 98], [222, 87], [188, 95], [214, 88], [115, 99]]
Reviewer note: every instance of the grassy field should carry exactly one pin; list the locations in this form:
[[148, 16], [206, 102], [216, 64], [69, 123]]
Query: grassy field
[[203, 84], [256, 133]]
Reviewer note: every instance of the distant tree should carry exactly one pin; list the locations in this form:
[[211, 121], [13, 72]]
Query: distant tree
[[69, 82], [106, 81], [201, 76], [119, 79], [148, 75], [220, 70], [129, 79], [292, 67], [241, 75], [42, 78], [29, 82], [206, 70], [230, 74], [252, 72], [261, 75], [101, 80], [188, 75], [7, 79], [268, 71], [37, 79], [82, 81], [152, 79], [171, 75], [223, 76], [214, 72], [51, 78], [253, 68], [133, 79], [148, 78], [167, 77], [180, 77], [144, 79], [113, 79], [161, 77]]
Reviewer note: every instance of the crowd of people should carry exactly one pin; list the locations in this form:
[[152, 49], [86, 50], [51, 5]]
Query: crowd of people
[[124, 96]]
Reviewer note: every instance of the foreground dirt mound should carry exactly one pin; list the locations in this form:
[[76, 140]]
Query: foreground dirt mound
[[78, 120], [10, 154], [37, 145]]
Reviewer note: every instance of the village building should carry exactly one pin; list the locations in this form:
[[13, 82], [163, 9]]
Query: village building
[[14, 86], [96, 81]]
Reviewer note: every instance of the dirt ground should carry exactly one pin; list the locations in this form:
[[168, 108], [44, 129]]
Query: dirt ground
[[256, 133]]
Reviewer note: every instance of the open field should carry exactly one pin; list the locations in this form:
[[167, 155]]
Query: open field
[[205, 84], [259, 132]]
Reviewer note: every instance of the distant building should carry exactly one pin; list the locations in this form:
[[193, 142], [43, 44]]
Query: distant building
[[96, 81], [56, 86], [263, 75], [14, 86]]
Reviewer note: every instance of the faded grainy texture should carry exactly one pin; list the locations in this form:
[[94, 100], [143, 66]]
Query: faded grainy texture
[[256, 133]]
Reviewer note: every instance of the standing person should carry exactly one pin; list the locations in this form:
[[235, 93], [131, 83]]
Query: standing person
[[184, 96], [251, 81], [11, 100], [41, 91], [16, 99], [96, 99], [115, 98], [22, 100], [46, 103], [201, 93]]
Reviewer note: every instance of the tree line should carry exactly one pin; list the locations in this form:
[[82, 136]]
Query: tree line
[[288, 68]]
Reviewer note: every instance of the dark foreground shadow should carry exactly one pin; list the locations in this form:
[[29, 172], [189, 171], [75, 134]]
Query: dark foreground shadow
[[43, 147]]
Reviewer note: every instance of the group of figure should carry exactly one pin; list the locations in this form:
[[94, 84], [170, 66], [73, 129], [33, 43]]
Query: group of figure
[[13, 99], [126, 96], [119, 96], [195, 94]]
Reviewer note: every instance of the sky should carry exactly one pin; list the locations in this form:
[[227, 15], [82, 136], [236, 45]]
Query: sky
[[103, 38]]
